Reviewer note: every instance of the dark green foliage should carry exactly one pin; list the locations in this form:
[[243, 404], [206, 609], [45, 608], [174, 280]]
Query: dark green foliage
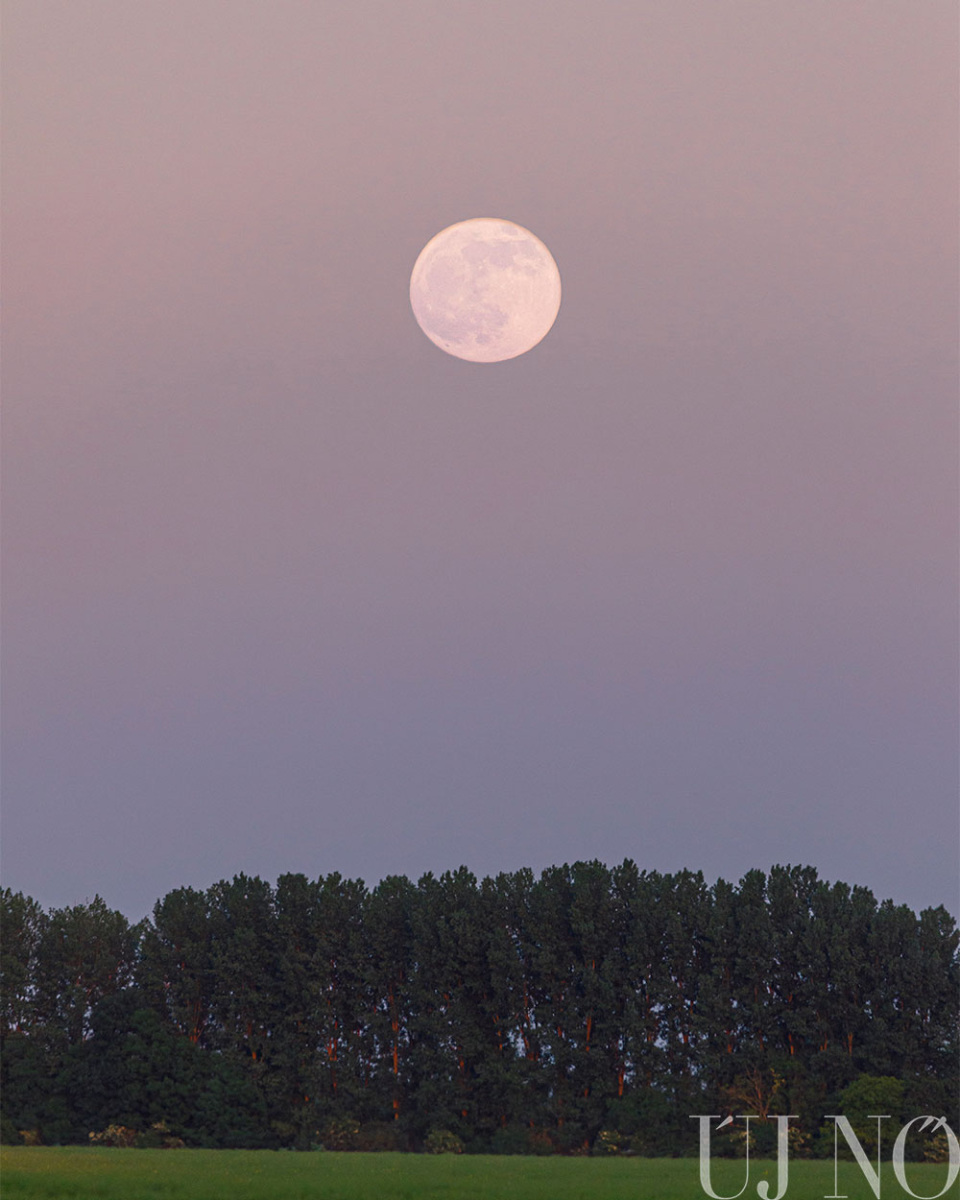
[[85, 954], [136, 1070], [441, 1141], [22, 926], [27, 1068], [176, 964], [517, 1014], [872, 1094], [379, 1137], [57, 968]]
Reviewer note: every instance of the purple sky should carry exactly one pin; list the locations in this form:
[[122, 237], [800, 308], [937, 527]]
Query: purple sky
[[289, 589]]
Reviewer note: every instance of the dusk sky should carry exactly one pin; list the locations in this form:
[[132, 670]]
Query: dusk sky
[[288, 588]]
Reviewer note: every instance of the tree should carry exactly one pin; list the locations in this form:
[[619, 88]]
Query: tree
[[22, 926], [389, 940], [177, 967], [868, 1096], [448, 1029], [343, 1008], [295, 1036], [244, 963], [515, 1013], [84, 954]]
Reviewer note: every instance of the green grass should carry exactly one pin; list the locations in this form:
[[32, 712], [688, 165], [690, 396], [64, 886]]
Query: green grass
[[81, 1172]]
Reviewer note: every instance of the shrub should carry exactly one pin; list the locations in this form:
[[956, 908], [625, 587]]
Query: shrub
[[511, 1139], [284, 1132], [871, 1094], [442, 1141], [609, 1141], [121, 1137], [158, 1137], [9, 1134], [937, 1149], [572, 1138], [340, 1133], [377, 1136], [541, 1143]]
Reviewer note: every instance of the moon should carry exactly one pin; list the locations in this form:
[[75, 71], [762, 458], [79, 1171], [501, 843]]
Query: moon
[[485, 290]]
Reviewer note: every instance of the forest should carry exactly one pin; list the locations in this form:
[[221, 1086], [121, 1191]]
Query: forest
[[587, 1007]]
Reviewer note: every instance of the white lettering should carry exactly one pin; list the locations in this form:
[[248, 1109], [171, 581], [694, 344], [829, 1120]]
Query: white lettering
[[706, 1181], [872, 1176], [953, 1145], [783, 1145]]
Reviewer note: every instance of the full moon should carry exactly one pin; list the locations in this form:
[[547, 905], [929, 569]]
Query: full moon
[[485, 290]]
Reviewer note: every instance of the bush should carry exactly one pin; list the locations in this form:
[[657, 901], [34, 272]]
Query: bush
[[938, 1149], [340, 1133], [609, 1141], [871, 1094], [9, 1134], [158, 1137], [571, 1138], [516, 1139], [442, 1141], [540, 1143], [510, 1139], [121, 1137], [285, 1133], [379, 1136]]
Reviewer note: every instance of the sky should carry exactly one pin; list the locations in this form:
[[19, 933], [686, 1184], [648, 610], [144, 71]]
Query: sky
[[288, 589]]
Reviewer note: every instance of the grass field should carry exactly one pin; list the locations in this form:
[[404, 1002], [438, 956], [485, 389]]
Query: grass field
[[53, 1172]]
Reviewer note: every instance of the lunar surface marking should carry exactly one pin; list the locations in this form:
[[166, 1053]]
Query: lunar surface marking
[[485, 290]]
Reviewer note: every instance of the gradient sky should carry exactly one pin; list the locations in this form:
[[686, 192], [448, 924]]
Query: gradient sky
[[289, 589]]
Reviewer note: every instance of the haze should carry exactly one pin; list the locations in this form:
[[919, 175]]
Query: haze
[[287, 589]]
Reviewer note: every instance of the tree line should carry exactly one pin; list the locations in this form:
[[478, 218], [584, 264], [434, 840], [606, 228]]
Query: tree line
[[515, 1013]]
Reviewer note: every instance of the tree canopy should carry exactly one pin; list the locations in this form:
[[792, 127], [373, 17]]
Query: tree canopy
[[513, 1013]]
